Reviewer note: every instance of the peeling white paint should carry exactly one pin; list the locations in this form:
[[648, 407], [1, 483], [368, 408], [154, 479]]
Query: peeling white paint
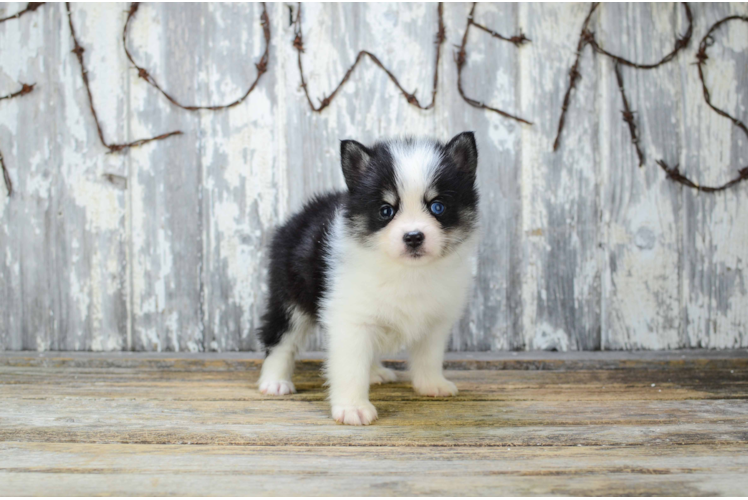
[[101, 204], [111, 342], [549, 338], [80, 293], [241, 260], [4, 201], [598, 244]]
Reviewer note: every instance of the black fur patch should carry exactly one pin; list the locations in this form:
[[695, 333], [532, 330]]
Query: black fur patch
[[368, 189], [297, 265], [455, 183]]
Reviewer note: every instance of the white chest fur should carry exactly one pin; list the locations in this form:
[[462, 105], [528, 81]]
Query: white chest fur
[[399, 303]]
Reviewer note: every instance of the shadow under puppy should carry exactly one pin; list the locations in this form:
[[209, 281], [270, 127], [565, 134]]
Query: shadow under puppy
[[383, 266]]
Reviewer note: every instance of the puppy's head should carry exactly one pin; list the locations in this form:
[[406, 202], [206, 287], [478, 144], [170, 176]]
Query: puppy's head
[[414, 200]]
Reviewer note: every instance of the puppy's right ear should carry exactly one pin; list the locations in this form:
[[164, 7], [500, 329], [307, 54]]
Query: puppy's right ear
[[354, 158]]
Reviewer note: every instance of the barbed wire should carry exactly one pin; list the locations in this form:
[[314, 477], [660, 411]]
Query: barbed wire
[[461, 61], [113, 148], [298, 44], [628, 115], [587, 37], [30, 7], [261, 65], [6, 175], [25, 89], [574, 74], [701, 58]]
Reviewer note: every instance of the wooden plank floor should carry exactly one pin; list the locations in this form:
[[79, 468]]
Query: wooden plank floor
[[594, 424]]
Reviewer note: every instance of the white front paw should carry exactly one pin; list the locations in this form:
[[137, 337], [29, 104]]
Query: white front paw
[[360, 414], [434, 387], [381, 375], [277, 387]]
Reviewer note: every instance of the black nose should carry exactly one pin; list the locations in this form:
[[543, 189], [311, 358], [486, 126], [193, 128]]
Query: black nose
[[413, 239]]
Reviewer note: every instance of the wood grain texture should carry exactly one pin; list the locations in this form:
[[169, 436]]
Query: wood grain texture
[[113, 469], [642, 245], [560, 192], [714, 246], [164, 247], [692, 359], [167, 234], [91, 429], [64, 242]]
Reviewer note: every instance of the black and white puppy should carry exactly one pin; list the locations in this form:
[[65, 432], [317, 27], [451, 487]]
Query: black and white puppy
[[383, 266]]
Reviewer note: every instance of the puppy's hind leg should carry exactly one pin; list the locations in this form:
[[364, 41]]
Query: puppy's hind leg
[[380, 374], [277, 369]]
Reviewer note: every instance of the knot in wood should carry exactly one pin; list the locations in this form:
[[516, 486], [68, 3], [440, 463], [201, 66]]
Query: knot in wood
[[588, 36], [574, 74], [25, 88], [441, 35], [460, 58], [672, 172], [518, 40], [701, 56], [628, 116], [298, 43]]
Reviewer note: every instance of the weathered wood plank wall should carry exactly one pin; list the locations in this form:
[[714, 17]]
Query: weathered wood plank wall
[[581, 250]]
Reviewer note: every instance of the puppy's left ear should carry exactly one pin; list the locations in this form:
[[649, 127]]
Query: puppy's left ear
[[354, 158], [464, 152]]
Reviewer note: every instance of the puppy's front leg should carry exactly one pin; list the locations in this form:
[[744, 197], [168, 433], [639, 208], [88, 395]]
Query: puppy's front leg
[[351, 353], [426, 363]]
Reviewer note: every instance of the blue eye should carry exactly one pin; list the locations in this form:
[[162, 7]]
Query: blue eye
[[386, 211], [437, 208]]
